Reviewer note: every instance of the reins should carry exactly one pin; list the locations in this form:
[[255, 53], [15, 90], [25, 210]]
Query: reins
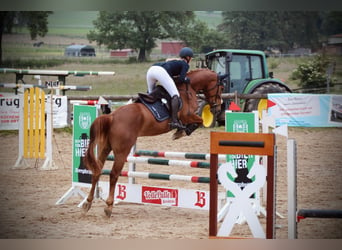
[[206, 91], [216, 95]]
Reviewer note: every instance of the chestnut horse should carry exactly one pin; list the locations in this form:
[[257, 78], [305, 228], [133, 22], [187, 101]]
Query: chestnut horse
[[119, 130]]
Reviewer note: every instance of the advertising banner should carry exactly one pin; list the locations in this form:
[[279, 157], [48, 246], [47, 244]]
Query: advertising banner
[[9, 111], [306, 110], [83, 118], [163, 196], [59, 110], [241, 123]]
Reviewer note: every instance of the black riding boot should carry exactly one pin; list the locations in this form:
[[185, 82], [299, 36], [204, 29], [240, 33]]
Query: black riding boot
[[175, 104]]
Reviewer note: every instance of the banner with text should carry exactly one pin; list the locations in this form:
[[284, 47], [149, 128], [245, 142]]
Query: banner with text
[[9, 111], [84, 116], [306, 110], [241, 123]]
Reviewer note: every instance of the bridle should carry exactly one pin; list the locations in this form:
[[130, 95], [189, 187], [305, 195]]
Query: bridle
[[213, 104]]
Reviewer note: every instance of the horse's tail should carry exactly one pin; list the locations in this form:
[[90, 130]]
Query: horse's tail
[[98, 136]]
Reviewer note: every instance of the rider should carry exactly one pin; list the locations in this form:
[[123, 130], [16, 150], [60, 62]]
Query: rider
[[163, 72]]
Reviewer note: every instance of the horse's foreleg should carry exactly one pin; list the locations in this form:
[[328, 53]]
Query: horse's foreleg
[[113, 178], [187, 131], [193, 123], [178, 134], [87, 204], [191, 128]]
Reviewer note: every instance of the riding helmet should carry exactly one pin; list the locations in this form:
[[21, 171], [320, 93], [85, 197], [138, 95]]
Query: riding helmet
[[186, 51]]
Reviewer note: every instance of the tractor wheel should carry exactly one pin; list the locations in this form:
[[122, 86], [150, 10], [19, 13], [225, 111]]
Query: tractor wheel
[[209, 119], [258, 104]]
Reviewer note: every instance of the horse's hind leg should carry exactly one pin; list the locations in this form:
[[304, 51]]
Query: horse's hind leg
[[87, 204], [95, 178], [113, 178]]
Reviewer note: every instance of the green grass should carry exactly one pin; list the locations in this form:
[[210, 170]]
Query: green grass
[[78, 23], [129, 78], [284, 66], [71, 23], [212, 18], [68, 23], [69, 32], [14, 51], [73, 19]]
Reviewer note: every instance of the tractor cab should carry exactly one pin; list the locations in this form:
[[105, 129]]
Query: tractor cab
[[247, 74], [241, 67]]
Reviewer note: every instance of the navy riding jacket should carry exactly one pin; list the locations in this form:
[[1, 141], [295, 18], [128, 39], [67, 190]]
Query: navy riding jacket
[[175, 68]]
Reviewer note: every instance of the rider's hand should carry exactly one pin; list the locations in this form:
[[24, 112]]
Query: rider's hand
[[186, 80]]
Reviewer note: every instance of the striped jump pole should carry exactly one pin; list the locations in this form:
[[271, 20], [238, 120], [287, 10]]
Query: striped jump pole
[[34, 132], [184, 155], [157, 176], [84, 102], [55, 72], [60, 87], [168, 162], [319, 213], [61, 74]]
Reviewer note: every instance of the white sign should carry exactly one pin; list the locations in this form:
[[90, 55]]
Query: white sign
[[306, 110], [9, 111], [241, 203]]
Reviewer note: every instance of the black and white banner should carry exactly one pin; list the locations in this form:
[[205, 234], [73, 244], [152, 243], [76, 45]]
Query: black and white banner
[[10, 104]]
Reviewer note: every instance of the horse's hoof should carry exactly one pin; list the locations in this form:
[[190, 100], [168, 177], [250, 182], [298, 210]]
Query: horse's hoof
[[108, 212], [86, 206], [178, 134]]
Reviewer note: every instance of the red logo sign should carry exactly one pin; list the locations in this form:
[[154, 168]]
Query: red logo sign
[[201, 199], [161, 196], [122, 193]]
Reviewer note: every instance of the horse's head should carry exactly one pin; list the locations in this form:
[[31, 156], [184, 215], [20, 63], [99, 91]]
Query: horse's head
[[209, 83], [213, 96]]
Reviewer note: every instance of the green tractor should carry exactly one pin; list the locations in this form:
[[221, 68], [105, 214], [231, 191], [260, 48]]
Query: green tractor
[[247, 73]]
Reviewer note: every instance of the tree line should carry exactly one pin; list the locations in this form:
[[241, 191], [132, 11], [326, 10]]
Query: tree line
[[140, 30], [259, 30]]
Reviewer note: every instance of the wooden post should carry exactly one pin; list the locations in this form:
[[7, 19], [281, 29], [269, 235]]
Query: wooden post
[[242, 143], [270, 201], [213, 195]]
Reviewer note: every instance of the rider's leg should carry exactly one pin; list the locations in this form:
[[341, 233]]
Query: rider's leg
[[175, 105], [151, 80], [157, 73], [167, 82], [152, 77]]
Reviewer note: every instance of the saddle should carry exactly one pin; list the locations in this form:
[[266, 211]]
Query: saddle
[[158, 93], [158, 102]]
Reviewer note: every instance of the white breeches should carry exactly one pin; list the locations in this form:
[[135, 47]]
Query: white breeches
[[158, 73]]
